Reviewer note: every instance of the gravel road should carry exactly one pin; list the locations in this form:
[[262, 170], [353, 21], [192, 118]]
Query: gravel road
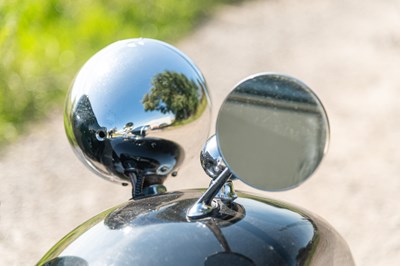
[[347, 51]]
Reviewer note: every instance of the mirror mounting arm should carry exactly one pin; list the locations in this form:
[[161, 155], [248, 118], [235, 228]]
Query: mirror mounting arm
[[205, 204], [137, 181], [136, 178]]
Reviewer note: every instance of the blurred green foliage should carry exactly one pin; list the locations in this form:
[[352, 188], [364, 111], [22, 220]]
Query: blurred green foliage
[[43, 44]]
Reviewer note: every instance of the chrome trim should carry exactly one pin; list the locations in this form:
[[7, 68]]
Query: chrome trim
[[206, 204]]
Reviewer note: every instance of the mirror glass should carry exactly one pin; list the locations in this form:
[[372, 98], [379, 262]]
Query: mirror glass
[[272, 131]]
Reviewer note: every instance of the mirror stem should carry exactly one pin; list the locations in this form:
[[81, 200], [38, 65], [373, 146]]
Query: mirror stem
[[205, 205], [137, 181]]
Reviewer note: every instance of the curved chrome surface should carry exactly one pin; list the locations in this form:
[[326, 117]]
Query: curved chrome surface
[[221, 187], [211, 159], [227, 193], [155, 231], [206, 204], [272, 131], [138, 106]]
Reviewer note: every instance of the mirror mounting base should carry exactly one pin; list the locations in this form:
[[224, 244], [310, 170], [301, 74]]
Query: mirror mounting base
[[206, 204]]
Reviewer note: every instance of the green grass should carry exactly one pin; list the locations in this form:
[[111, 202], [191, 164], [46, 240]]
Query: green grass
[[44, 43]]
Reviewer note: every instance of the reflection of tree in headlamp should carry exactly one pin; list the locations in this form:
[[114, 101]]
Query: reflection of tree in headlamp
[[172, 92]]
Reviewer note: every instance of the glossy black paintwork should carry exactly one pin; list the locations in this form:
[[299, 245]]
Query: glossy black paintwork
[[155, 231], [154, 157]]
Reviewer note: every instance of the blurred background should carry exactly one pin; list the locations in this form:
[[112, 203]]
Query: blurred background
[[347, 51], [44, 43]]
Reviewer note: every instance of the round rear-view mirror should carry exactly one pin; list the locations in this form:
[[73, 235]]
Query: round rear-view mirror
[[272, 131]]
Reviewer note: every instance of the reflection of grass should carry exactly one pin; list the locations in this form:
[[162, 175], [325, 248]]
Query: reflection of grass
[[43, 43], [312, 252], [200, 110]]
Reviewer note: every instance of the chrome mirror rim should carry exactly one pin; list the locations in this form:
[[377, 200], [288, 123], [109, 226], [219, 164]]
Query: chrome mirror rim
[[324, 118]]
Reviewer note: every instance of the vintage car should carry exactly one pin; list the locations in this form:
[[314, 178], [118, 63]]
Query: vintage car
[[139, 109]]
